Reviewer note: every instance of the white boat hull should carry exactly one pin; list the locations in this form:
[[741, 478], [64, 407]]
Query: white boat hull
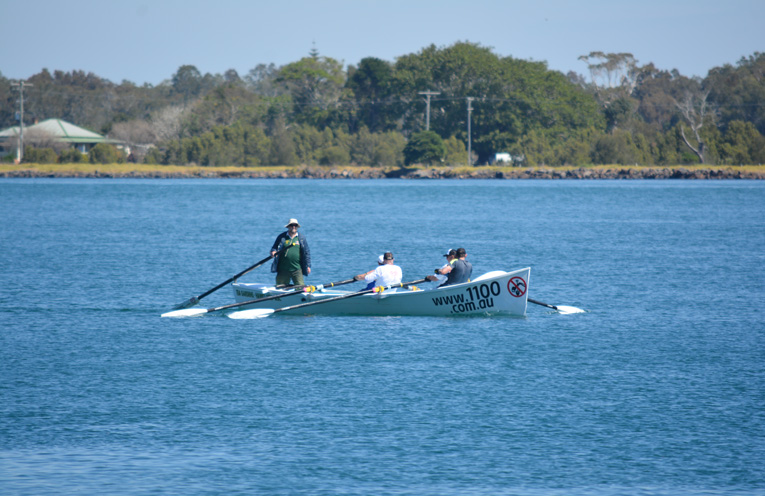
[[496, 292]]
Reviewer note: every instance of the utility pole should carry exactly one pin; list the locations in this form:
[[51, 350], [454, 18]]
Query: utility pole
[[469, 111], [427, 111], [20, 151]]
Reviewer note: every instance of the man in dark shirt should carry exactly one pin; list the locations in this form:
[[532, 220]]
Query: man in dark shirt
[[457, 272]]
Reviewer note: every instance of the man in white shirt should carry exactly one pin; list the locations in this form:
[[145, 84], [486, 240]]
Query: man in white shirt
[[385, 274], [440, 278]]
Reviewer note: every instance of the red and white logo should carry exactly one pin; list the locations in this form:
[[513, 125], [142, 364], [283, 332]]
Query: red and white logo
[[516, 286]]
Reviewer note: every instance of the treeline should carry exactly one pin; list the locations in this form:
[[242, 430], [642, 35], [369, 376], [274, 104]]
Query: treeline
[[417, 110]]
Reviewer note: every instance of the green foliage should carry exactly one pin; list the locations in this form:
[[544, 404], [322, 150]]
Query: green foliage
[[223, 145], [740, 91], [104, 153], [456, 152], [621, 148], [425, 147], [313, 111], [225, 106], [742, 145], [40, 155], [617, 113], [315, 83], [71, 156], [377, 149], [282, 149], [512, 97], [656, 94], [371, 87], [334, 155], [187, 81], [153, 156]]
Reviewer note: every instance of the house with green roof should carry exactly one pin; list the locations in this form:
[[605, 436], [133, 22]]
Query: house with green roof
[[55, 130]]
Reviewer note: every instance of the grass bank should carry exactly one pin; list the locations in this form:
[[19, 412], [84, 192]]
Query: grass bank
[[314, 171]]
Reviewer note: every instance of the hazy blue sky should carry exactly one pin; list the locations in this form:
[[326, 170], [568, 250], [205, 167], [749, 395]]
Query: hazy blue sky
[[146, 41]]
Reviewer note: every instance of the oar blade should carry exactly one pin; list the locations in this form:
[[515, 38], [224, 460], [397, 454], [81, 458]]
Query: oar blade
[[186, 304], [565, 310], [187, 312], [254, 313]]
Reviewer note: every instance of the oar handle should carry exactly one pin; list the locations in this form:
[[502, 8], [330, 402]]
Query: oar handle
[[349, 295], [542, 303], [273, 297], [216, 288], [339, 283]]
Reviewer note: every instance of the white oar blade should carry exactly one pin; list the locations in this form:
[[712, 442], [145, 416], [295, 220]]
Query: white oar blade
[[567, 310], [187, 312], [255, 313]]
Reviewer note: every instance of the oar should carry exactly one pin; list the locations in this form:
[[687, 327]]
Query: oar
[[257, 313], [560, 308], [196, 312], [195, 299]]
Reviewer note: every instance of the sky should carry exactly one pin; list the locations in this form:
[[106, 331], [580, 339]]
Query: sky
[[147, 41]]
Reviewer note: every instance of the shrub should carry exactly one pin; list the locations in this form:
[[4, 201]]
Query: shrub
[[334, 155], [104, 153], [71, 155], [424, 147], [153, 156], [40, 155]]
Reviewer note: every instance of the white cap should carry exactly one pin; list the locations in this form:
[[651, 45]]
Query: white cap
[[380, 259]]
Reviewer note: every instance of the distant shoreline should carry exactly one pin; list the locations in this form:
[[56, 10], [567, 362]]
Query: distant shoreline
[[143, 171]]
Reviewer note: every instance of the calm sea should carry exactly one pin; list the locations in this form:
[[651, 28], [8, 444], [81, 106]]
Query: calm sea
[[659, 389]]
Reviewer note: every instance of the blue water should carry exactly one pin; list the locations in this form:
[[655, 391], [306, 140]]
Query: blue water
[[658, 389]]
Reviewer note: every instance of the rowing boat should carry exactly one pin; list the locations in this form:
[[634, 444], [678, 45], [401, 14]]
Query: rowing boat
[[496, 292]]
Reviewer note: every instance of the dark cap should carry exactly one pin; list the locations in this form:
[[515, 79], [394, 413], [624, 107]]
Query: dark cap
[[388, 256], [450, 253], [461, 252]]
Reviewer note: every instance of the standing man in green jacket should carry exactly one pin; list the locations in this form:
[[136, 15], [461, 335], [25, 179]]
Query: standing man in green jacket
[[294, 257]]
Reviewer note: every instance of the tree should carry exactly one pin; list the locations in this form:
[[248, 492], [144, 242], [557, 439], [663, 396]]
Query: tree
[[456, 153], [655, 92], [371, 86], [424, 147], [232, 77], [696, 111], [739, 91], [609, 71], [315, 84], [167, 124], [617, 148], [511, 97], [334, 155], [135, 132], [282, 146], [613, 77], [187, 81], [618, 112], [224, 106], [742, 144], [262, 80], [377, 149]]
